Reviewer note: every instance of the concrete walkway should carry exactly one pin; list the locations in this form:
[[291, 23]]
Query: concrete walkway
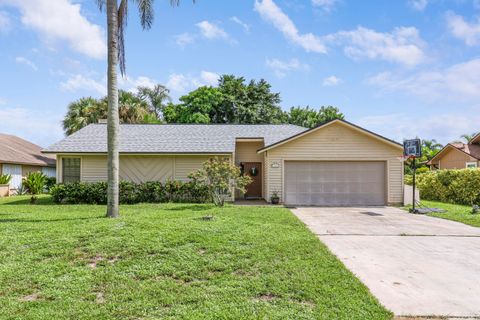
[[415, 265]]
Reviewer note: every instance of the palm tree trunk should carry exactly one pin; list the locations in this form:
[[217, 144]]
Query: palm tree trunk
[[113, 117]]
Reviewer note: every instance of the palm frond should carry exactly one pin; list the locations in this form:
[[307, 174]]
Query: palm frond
[[145, 10], [101, 4], [122, 24]]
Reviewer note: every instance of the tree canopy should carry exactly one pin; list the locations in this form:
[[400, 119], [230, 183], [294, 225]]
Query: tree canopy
[[234, 100]]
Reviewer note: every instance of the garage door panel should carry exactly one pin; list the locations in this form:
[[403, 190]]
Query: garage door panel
[[335, 183]]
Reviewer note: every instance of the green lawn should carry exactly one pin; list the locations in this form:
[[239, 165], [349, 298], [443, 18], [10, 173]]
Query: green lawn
[[454, 212], [164, 261]]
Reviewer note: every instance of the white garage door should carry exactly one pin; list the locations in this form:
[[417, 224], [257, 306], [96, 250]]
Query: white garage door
[[335, 183]]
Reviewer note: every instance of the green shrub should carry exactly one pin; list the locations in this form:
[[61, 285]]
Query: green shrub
[[34, 183], [130, 192], [5, 179], [50, 182], [454, 186]]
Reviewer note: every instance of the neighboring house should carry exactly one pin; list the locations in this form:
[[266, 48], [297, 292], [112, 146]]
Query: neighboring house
[[458, 155], [19, 157], [337, 163]]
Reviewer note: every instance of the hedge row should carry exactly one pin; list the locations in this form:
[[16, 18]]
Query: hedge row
[[130, 192], [454, 186]]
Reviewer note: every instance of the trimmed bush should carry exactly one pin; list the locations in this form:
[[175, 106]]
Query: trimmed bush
[[454, 186], [130, 192]]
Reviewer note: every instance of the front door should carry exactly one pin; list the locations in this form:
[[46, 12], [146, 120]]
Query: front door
[[254, 171]]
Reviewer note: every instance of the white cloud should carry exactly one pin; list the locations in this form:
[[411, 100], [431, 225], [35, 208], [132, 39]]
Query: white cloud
[[458, 83], [25, 61], [463, 30], [83, 83], [36, 125], [131, 84], [280, 68], [211, 31], [444, 127], [270, 12], [326, 5], [184, 39], [331, 81], [403, 45], [62, 20], [5, 22], [245, 26], [418, 5], [182, 83]]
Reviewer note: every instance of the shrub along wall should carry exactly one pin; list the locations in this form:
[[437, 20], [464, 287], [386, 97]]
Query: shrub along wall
[[454, 186], [130, 193]]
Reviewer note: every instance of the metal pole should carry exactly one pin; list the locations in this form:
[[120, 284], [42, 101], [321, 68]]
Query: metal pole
[[414, 170]]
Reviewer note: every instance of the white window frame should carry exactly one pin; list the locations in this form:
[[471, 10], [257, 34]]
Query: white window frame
[[471, 165]]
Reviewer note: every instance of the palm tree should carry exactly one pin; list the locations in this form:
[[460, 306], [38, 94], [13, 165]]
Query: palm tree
[[156, 98], [430, 148], [468, 137], [81, 113], [117, 21]]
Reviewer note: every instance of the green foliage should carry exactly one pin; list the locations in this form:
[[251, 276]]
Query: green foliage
[[453, 186], [49, 182], [5, 178], [219, 177], [310, 118], [133, 108], [202, 105], [34, 184], [130, 192]]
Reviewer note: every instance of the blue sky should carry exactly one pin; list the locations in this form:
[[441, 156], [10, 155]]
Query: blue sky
[[402, 68]]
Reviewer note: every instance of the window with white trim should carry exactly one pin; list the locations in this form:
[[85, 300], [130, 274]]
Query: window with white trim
[[70, 170], [471, 165]]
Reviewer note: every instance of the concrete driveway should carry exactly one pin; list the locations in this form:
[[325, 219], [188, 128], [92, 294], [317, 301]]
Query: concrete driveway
[[415, 265]]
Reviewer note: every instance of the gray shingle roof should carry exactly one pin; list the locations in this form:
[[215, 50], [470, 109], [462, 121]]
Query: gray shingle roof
[[171, 138]]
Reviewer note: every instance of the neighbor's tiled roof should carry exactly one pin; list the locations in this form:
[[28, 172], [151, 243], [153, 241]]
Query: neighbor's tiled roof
[[172, 138], [472, 149], [16, 150]]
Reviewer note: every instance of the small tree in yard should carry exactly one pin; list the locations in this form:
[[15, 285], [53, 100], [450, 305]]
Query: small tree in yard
[[220, 177], [35, 184]]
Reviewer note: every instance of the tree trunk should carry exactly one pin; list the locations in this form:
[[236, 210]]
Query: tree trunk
[[113, 117]]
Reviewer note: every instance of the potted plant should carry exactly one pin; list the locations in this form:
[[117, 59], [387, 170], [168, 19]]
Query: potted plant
[[5, 185], [274, 199]]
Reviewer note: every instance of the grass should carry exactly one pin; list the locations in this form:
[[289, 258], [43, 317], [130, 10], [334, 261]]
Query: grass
[[454, 212], [164, 261]]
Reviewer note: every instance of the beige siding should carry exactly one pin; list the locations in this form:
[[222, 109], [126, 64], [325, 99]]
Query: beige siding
[[146, 168], [138, 168], [341, 142], [247, 152], [453, 159], [184, 165], [93, 168]]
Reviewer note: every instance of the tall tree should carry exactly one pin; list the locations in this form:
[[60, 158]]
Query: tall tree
[[309, 117], [430, 148], [81, 113], [156, 97], [132, 109], [117, 21]]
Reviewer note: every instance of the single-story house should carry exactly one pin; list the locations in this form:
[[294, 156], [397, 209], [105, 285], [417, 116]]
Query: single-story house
[[458, 155], [19, 157], [336, 163]]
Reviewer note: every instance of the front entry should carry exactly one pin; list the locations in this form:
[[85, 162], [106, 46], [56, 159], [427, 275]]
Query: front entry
[[254, 171]]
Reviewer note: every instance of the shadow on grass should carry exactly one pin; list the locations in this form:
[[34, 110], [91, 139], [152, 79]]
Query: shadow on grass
[[26, 201], [49, 220], [193, 207]]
